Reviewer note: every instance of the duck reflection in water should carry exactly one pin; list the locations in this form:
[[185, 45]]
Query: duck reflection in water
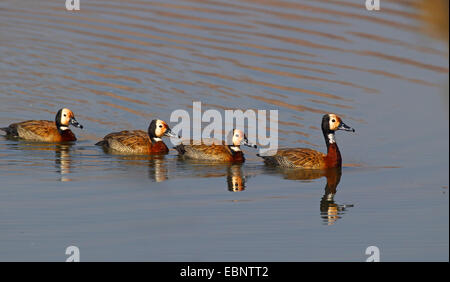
[[63, 158], [157, 167], [235, 178], [158, 171], [233, 172], [330, 211], [63, 161]]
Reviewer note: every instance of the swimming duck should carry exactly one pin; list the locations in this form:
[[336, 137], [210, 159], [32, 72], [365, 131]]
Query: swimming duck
[[311, 159], [45, 130], [139, 141], [220, 152]]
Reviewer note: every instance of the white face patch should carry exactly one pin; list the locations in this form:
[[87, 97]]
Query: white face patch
[[63, 128], [66, 115], [161, 128], [331, 139], [334, 122], [238, 135], [157, 139]]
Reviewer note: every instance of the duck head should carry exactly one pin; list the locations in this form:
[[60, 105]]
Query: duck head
[[240, 138], [332, 123], [64, 118], [159, 128]]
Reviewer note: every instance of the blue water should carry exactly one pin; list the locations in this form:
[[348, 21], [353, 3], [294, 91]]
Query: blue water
[[119, 65]]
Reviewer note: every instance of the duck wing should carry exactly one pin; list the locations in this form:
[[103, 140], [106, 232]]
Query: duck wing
[[127, 141], [32, 130], [296, 158], [205, 151]]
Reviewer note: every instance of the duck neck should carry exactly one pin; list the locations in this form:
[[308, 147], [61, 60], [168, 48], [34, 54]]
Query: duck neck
[[154, 138], [62, 128], [333, 157], [236, 153], [234, 149], [66, 134]]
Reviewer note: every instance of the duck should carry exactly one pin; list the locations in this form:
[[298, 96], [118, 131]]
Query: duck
[[139, 141], [45, 130], [305, 158], [217, 152]]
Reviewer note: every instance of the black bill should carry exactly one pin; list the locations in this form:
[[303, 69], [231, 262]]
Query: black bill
[[246, 143], [75, 123], [345, 127], [169, 133]]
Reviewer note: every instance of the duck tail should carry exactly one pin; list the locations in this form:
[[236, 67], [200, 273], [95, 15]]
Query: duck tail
[[269, 160], [9, 130], [100, 143], [180, 149]]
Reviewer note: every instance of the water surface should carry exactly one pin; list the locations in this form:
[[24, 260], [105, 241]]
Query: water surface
[[118, 65]]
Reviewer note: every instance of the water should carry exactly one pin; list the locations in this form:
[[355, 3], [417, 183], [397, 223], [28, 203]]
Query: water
[[118, 65]]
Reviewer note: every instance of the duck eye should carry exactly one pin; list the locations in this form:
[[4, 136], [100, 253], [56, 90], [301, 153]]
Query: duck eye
[[160, 126], [333, 120], [65, 115]]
